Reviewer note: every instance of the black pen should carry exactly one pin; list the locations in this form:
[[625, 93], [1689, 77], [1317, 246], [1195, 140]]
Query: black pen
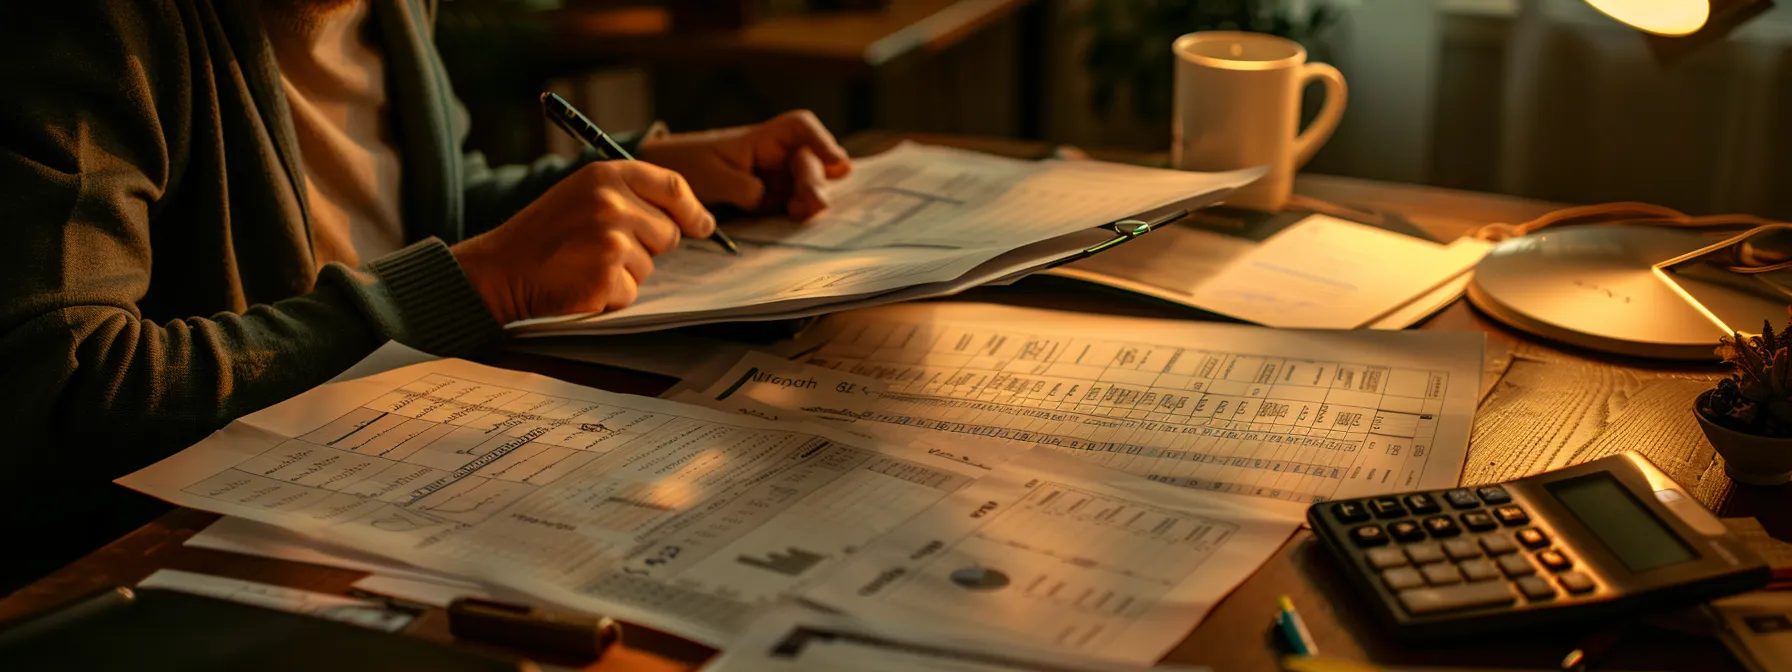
[[569, 119]]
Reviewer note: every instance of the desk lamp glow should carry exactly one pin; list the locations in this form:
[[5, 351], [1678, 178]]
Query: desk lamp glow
[[1638, 280]]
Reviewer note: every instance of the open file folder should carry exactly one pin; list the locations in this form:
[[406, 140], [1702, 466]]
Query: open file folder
[[914, 222]]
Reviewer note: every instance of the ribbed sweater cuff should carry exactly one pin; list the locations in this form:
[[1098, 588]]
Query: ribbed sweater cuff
[[441, 313]]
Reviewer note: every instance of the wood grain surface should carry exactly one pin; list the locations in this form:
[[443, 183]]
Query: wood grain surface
[[1553, 406]]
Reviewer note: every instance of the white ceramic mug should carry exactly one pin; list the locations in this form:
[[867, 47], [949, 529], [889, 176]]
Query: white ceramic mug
[[1238, 105]]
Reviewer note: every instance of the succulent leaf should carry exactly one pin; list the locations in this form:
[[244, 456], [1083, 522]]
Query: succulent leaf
[[1756, 398]]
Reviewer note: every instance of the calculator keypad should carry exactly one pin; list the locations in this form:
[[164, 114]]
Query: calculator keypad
[[1493, 494], [1442, 526], [1441, 574], [1387, 507], [1480, 569], [1555, 560], [1576, 582], [1402, 578], [1458, 549], [1406, 531], [1516, 565], [1496, 544], [1462, 498], [1424, 554], [1421, 504], [1536, 589], [1386, 558], [1350, 512], [1368, 535], [1512, 515], [1479, 521], [1462, 549]]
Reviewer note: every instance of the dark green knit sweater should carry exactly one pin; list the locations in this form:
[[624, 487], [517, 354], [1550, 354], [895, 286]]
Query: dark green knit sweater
[[156, 274]]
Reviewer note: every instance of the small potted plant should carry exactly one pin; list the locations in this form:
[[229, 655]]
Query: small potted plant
[[1748, 416]]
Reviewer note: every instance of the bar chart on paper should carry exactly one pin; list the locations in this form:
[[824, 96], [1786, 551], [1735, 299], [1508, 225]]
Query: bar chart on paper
[[1207, 406]]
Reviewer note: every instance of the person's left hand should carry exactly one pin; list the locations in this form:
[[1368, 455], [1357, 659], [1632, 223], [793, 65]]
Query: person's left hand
[[779, 166]]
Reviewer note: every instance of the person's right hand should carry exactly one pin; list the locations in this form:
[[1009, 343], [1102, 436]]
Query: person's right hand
[[586, 245]]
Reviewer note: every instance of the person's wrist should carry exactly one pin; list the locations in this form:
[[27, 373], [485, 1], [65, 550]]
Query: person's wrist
[[483, 269]]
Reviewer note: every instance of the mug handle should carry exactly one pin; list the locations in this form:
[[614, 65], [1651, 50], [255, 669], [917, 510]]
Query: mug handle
[[1308, 142]]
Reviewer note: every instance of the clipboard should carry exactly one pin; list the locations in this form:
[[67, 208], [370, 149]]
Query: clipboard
[[1135, 227]]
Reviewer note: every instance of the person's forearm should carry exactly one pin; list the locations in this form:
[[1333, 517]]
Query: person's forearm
[[130, 391]]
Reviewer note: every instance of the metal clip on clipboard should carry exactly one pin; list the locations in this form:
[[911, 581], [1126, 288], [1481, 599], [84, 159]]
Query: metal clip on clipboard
[[1128, 229], [1133, 227]]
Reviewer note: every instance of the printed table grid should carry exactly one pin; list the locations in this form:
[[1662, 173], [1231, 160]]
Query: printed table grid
[[1279, 427]]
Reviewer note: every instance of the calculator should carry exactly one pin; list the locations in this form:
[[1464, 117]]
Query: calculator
[[1608, 537]]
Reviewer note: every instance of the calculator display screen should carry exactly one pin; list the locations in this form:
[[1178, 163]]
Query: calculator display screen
[[1632, 532]]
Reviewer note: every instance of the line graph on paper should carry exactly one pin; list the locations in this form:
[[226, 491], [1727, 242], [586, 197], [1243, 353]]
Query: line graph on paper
[[1294, 429], [443, 450]]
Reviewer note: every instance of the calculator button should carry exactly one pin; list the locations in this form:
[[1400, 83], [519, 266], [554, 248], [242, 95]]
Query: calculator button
[[1535, 588], [1460, 596], [1350, 512], [1497, 545], [1385, 558], [1421, 503], [1462, 499], [1422, 554], [1533, 538], [1406, 531], [1576, 582], [1442, 526], [1480, 569], [1479, 521], [1462, 549], [1402, 578], [1441, 574], [1387, 507], [1493, 494], [1555, 560], [1515, 565], [1512, 515], [1368, 535]]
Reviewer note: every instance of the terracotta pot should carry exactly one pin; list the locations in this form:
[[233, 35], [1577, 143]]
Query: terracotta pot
[[1751, 459]]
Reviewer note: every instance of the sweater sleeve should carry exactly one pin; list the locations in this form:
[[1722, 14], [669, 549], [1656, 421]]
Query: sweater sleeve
[[90, 144]]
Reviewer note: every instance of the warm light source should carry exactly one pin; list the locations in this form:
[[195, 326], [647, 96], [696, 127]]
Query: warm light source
[[1667, 18]]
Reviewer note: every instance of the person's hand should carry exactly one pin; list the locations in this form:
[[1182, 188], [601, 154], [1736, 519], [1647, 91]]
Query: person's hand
[[586, 245], [779, 166]]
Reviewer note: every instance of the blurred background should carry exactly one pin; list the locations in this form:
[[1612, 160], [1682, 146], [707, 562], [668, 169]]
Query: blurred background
[[1541, 98]]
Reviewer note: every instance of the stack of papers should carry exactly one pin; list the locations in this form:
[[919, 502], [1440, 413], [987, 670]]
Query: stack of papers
[[947, 480], [697, 521], [1320, 273], [914, 222]]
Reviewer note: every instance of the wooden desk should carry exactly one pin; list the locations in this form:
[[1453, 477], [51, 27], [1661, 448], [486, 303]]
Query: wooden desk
[[1553, 407]]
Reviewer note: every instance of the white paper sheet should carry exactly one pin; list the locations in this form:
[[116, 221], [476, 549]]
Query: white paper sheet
[[912, 216], [764, 386], [673, 516], [1757, 626], [1322, 272], [1328, 273], [239, 535], [798, 639], [1053, 551], [1291, 417], [365, 613], [435, 592]]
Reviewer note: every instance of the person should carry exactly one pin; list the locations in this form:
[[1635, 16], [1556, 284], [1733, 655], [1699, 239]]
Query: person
[[213, 206]]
